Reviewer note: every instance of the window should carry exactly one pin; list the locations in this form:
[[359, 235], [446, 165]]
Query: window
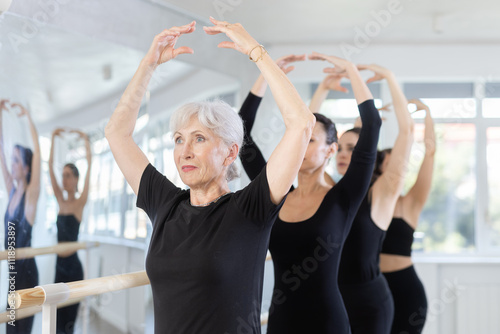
[[493, 160]]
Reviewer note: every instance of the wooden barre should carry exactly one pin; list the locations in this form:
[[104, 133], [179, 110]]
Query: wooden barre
[[62, 248], [79, 289], [30, 311]]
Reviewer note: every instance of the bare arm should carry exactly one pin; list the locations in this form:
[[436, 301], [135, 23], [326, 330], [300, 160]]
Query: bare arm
[[33, 189], [260, 86], [129, 157], [286, 159], [419, 193], [7, 177], [55, 187], [85, 193], [388, 187], [330, 82]]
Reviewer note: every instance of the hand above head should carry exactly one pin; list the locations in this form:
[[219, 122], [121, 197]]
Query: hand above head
[[4, 105], [332, 82], [163, 47], [78, 132], [284, 61], [420, 105], [22, 110], [57, 132], [380, 72], [385, 107], [341, 66], [240, 39]]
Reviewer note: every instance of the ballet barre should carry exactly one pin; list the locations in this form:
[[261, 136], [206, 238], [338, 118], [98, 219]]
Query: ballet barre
[[62, 249], [49, 295], [31, 311]]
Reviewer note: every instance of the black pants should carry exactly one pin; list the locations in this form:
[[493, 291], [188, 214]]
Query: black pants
[[369, 306], [68, 269], [410, 302]]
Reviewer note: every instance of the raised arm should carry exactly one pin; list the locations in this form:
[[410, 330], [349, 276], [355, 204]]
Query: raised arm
[[251, 157], [330, 82], [85, 193], [286, 159], [356, 181], [129, 157], [33, 189], [419, 193], [7, 177], [388, 187], [53, 180]]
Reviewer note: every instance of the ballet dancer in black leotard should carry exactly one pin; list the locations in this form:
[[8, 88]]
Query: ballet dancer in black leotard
[[307, 238], [410, 302], [69, 267], [365, 292], [23, 186]]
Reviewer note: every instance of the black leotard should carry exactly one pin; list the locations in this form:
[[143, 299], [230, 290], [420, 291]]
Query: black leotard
[[68, 269], [410, 302], [26, 271], [365, 291], [306, 254]]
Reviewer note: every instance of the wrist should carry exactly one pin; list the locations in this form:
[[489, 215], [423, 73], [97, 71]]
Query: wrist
[[148, 64]]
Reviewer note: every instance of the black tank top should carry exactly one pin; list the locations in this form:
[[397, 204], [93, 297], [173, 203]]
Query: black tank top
[[67, 228], [360, 256], [399, 238]]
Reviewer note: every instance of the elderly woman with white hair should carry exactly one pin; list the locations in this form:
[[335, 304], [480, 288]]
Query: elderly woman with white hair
[[208, 245]]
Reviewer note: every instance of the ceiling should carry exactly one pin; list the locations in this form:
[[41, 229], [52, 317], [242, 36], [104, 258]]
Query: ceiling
[[90, 50], [320, 21]]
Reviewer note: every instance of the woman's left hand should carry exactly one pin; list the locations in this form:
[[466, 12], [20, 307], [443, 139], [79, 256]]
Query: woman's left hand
[[240, 39], [22, 110], [341, 66]]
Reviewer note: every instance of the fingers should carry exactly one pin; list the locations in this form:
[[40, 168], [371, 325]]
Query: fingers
[[227, 45], [363, 67], [183, 50], [288, 69], [215, 30], [219, 27], [185, 29], [317, 56], [373, 79]]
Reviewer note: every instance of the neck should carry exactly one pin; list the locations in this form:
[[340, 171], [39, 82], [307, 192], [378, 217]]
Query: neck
[[204, 195], [71, 195], [312, 181]]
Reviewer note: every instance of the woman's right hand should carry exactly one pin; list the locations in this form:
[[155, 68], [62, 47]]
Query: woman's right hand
[[57, 132], [341, 66], [284, 61], [241, 40], [332, 82], [380, 72], [420, 105], [163, 47]]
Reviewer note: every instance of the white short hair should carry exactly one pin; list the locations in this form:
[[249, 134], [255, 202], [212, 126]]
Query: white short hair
[[217, 116]]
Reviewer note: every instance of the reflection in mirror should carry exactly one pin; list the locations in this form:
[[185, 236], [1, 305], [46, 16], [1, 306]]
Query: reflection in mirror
[[22, 184]]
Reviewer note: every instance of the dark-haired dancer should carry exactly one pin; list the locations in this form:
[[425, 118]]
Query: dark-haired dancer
[[307, 238], [69, 267], [410, 302], [23, 186], [365, 291]]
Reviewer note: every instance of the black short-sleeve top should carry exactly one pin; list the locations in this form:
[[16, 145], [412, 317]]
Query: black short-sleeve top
[[206, 264]]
